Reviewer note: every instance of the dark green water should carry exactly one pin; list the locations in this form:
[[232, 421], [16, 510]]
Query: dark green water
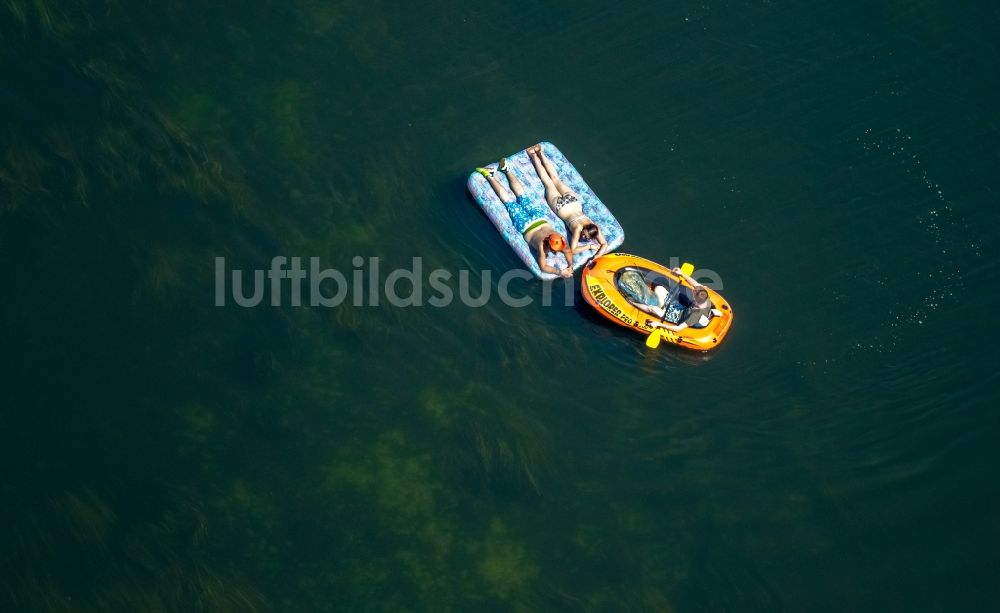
[[835, 165]]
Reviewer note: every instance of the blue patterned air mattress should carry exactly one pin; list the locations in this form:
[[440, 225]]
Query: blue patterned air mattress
[[593, 208]]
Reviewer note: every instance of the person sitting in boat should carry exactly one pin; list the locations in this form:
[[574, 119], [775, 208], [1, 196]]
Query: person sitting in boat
[[568, 205], [530, 220], [695, 315]]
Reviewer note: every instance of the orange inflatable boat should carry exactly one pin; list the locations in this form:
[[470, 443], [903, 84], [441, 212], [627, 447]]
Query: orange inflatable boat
[[615, 282]]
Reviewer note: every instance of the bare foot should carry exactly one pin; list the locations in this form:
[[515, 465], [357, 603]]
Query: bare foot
[[532, 150], [538, 149]]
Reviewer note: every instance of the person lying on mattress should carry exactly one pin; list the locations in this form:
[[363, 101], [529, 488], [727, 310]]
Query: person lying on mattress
[[696, 315], [568, 205], [530, 220]]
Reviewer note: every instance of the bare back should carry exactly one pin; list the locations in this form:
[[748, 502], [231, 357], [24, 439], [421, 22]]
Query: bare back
[[535, 236]]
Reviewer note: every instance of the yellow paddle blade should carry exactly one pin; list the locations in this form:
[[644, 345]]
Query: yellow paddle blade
[[687, 268], [653, 340]]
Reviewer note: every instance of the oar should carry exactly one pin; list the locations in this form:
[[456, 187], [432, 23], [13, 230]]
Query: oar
[[658, 334]]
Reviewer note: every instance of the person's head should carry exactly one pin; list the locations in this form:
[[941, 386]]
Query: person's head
[[700, 296], [555, 242], [590, 231]]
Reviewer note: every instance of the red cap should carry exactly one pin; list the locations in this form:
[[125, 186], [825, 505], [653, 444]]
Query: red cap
[[556, 242]]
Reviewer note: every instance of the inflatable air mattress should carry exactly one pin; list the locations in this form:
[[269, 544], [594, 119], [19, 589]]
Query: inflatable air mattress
[[593, 208]]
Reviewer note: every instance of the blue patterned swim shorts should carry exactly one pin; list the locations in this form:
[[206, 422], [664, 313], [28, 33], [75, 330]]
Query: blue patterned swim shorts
[[524, 213]]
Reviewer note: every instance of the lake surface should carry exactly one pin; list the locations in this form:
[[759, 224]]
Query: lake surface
[[836, 167]]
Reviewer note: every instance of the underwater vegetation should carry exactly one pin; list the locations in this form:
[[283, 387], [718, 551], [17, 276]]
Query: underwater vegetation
[[164, 454], [60, 556]]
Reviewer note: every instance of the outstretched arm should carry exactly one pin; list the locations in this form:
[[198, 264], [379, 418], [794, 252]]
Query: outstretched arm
[[690, 280], [666, 326], [648, 308], [604, 244], [568, 271], [545, 265], [574, 242]]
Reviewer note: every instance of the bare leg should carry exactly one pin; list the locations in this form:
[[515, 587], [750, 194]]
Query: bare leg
[[500, 189], [515, 183], [661, 295], [652, 310], [551, 191], [553, 173], [661, 302]]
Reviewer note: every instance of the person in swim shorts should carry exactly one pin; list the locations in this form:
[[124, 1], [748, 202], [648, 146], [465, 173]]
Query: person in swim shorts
[[529, 218], [568, 205]]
